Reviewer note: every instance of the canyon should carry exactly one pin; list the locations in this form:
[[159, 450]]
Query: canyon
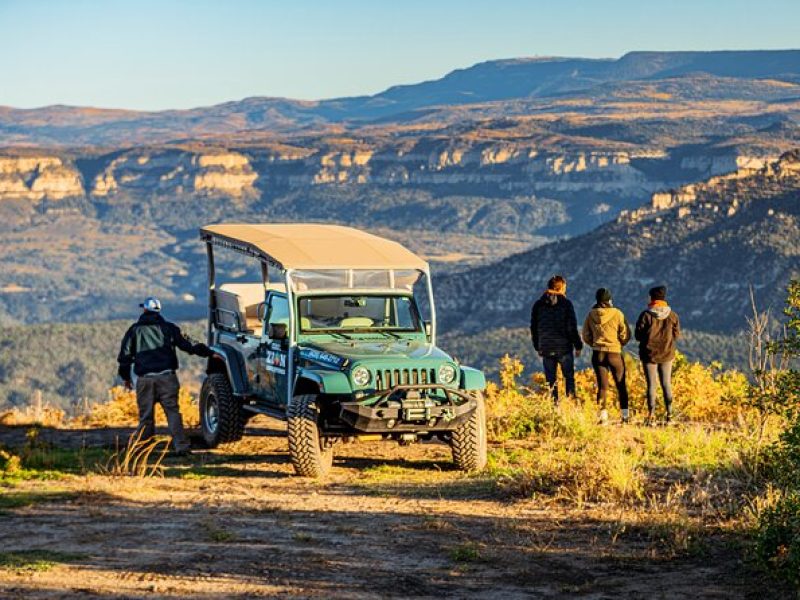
[[499, 174]]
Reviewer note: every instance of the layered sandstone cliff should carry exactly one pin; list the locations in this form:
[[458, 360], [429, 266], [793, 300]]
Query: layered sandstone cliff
[[509, 167], [685, 197], [38, 177], [176, 172]]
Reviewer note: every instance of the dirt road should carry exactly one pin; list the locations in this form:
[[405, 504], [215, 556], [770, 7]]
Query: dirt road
[[390, 522]]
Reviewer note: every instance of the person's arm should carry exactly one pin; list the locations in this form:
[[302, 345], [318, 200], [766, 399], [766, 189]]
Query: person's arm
[[676, 327], [127, 354], [188, 345], [624, 330], [572, 328], [642, 327], [535, 325], [587, 332]]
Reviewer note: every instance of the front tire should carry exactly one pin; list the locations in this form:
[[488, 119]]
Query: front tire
[[222, 419], [468, 442], [310, 455]]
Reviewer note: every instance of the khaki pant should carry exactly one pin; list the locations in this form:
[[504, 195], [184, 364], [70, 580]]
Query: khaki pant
[[164, 390]]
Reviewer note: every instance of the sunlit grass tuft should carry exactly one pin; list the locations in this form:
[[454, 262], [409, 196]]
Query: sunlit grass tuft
[[35, 560]]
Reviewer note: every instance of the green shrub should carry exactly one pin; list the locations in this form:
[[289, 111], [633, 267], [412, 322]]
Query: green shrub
[[778, 538]]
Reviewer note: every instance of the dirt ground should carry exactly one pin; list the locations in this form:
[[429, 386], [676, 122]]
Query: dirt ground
[[390, 522]]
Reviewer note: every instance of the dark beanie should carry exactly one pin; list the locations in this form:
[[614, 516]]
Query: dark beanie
[[658, 293], [603, 295]]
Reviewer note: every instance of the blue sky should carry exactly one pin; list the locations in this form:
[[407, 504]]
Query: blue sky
[[153, 54]]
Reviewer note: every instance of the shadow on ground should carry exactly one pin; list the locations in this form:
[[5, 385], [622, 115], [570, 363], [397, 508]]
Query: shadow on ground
[[411, 552]]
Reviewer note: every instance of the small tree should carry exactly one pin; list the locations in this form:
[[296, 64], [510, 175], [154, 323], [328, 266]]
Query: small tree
[[767, 364], [779, 528]]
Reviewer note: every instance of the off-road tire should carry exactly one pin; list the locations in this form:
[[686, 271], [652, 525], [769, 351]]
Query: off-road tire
[[230, 415], [311, 455], [468, 441]]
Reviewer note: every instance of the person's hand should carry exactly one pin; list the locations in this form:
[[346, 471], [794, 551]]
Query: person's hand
[[128, 385], [577, 353]]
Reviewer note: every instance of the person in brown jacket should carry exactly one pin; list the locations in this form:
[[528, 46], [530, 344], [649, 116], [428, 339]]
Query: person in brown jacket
[[606, 331], [657, 330]]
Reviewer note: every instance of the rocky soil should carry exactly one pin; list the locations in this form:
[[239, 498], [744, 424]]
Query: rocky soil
[[389, 522]]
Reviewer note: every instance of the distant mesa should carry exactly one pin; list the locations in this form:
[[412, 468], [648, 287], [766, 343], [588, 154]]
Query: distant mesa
[[649, 76]]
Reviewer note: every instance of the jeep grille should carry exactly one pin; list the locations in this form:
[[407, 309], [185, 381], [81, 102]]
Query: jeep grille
[[388, 378]]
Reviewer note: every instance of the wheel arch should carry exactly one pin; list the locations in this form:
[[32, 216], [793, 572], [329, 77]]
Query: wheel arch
[[305, 385], [228, 361], [320, 381], [472, 379]]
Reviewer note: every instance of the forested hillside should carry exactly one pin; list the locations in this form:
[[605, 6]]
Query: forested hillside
[[708, 242]]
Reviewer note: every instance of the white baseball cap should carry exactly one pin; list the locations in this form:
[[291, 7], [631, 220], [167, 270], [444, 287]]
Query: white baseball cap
[[152, 304]]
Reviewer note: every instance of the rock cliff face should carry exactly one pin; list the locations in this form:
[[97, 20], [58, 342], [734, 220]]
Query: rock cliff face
[[747, 167], [510, 167], [38, 178], [177, 173], [513, 187]]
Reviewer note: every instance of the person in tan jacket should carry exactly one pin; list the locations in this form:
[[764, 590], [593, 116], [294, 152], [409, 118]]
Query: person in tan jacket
[[606, 330]]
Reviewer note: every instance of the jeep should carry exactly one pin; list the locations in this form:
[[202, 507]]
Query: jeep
[[331, 338]]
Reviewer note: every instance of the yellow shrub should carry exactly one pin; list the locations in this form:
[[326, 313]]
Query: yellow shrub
[[701, 392], [121, 410], [48, 416], [566, 453]]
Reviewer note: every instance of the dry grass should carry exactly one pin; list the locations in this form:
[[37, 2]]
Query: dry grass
[[46, 416], [121, 411], [139, 458], [677, 479]]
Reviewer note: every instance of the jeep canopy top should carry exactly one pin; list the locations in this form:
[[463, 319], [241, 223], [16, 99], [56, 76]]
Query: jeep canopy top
[[313, 246]]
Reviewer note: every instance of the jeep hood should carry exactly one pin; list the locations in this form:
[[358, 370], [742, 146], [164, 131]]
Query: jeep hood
[[364, 350]]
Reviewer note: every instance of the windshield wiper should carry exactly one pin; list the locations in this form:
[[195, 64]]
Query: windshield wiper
[[333, 332]]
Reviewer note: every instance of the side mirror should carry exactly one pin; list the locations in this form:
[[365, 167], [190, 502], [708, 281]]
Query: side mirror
[[277, 331], [261, 311], [428, 329]]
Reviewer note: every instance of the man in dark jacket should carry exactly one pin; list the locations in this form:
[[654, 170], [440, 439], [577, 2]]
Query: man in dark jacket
[[657, 330], [148, 349], [554, 332]]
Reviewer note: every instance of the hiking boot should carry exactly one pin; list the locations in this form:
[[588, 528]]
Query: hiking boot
[[649, 419], [603, 417], [626, 416]]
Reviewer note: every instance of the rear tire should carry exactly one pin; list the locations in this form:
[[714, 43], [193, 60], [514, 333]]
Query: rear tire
[[222, 418], [311, 456], [468, 442]]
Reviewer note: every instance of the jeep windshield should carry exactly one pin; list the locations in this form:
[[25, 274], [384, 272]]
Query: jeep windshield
[[345, 313]]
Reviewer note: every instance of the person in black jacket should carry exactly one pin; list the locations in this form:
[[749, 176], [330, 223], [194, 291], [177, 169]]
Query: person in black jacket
[[554, 332], [148, 350]]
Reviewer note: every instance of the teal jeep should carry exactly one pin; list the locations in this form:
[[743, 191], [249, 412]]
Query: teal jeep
[[331, 338]]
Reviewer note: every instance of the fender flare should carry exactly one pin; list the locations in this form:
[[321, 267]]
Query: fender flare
[[472, 379], [329, 382], [235, 368]]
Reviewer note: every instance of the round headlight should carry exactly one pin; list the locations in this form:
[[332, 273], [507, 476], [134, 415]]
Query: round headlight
[[361, 376], [447, 374]]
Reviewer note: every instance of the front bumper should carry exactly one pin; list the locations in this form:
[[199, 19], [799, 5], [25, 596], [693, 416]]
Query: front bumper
[[405, 409]]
